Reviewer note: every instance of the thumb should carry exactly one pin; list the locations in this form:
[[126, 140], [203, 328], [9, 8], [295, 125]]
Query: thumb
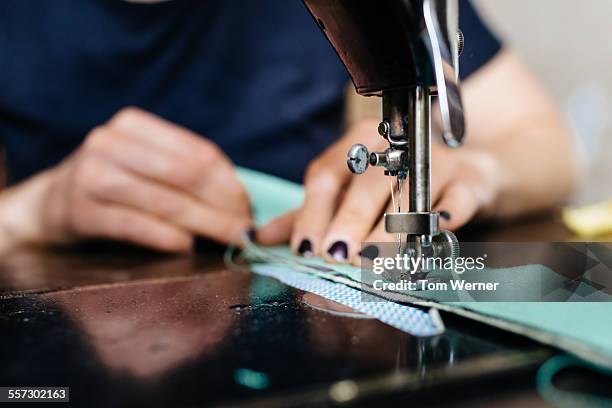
[[458, 204], [278, 231]]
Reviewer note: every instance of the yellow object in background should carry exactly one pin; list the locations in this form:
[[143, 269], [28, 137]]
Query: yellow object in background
[[591, 220]]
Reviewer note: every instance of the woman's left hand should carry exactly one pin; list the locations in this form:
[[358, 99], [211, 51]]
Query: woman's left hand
[[341, 210]]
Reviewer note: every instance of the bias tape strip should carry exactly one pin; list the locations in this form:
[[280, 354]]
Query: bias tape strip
[[405, 318]]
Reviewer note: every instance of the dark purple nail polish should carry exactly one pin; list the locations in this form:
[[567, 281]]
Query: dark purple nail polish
[[370, 252], [252, 234], [445, 214], [305, 248], [338, 251]]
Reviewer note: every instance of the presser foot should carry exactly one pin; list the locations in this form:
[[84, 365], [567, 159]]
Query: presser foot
[[430, 252]]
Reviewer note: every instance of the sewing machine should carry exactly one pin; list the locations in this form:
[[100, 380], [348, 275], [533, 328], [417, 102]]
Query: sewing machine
[[404, 51]]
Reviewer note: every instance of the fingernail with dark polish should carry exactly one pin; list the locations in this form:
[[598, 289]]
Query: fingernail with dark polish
[[305, 248], [338, 251], [370, 252], [445, 214], [252, 234]]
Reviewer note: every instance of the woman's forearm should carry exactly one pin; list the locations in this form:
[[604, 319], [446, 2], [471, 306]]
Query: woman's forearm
[[511, 117], [538, 165]]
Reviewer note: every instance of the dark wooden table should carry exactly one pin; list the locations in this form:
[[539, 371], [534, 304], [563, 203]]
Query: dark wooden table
[[115, 322]]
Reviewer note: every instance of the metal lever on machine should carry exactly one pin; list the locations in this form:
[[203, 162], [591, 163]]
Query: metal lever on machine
[[449, 96]]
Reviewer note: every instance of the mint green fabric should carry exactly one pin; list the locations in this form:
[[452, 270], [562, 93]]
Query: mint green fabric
[[584, 329], [271, 196]]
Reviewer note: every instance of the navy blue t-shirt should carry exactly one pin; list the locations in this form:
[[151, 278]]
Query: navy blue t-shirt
[[256, 77]]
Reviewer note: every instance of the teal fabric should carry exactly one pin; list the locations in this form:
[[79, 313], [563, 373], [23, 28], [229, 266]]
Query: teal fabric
[[584, 329], [270, 195], [563, 398]]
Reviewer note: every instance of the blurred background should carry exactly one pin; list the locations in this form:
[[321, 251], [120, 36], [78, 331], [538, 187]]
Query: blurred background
[[568, 44]]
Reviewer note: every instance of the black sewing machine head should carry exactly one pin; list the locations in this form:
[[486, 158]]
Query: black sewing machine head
[[383, 43]]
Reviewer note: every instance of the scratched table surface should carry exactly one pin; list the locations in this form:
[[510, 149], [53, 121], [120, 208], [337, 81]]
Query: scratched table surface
[[126, 327]]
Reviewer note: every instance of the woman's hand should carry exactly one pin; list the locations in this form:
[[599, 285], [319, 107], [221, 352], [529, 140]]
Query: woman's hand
[[518, 158], [137, 178], [342, 210]]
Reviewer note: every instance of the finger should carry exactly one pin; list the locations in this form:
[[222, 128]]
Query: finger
[[458, 204], [278, 231], [443, 170], [139, 158], [124, 224], [127, 189], [369, 247], [155, 131], [312, 221], [325, 179], [360, 209], [378, 233], [197, 164], [220, 187]]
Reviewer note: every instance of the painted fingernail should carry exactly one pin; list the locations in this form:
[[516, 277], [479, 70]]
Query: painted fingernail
[[445, 214], [338, 251], [370, 252], [252, 234], [305, 248]]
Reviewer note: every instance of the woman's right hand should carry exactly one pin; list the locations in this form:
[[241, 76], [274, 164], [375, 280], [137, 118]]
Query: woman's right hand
[[137, 178]]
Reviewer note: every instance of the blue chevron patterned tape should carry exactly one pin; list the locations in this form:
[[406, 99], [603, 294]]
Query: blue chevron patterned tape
[[408, 319]]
